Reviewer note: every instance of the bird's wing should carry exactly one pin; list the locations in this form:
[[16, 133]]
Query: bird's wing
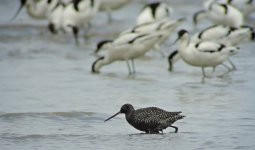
[[152, 116], [164, 123], [209, 47], [127, 38]]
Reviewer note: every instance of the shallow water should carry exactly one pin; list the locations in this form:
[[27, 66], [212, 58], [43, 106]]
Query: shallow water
[[51, 100]]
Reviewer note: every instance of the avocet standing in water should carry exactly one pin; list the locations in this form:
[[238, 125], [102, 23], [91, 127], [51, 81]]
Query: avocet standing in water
[[37, 9], [127, 48], [164, 26], [110, 5], [153, 11], [226, 35], [74, 16], [203, 54], [221, 34], [220, 14]]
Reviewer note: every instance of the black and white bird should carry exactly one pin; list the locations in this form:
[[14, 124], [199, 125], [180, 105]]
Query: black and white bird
[[219, 13], [221, 34], [151, 120], [74, 16], [152, 12], [245, 6], [166, 27], [203, 54], [226, 35], [125, 48]]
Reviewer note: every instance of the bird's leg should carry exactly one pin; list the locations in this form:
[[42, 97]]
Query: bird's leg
[[222, 75], [229, 69], [176, 128], [213, 69], [162, 131], [86, 30], [109, 16], [129, 69], [204, 74], [133, 65], [75, 34], [203, 71], [232, 64]]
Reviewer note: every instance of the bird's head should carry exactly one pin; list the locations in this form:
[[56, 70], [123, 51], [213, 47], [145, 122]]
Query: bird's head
[[95, 66], [126, 108], [102, 44], [182, 34]]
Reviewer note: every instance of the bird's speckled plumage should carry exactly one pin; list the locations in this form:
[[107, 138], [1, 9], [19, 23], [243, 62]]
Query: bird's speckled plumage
[[150, 119]]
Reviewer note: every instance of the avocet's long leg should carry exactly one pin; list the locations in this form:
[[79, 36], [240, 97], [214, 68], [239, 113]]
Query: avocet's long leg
[[129, 69], [232, 64], [222, 75], [229, 69], [133, 65], [203, 71], [109, 15]]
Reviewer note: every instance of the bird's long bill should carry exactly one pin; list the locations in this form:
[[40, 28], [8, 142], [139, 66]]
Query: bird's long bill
[[18, 11], [112, 116]]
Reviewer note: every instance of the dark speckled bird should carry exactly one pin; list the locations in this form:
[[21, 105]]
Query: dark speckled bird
[[151, 120]]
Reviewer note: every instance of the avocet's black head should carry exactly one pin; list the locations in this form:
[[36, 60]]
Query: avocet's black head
[[126, 108], [182, 32], [94, 69], [22, 3], [101, 44]]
